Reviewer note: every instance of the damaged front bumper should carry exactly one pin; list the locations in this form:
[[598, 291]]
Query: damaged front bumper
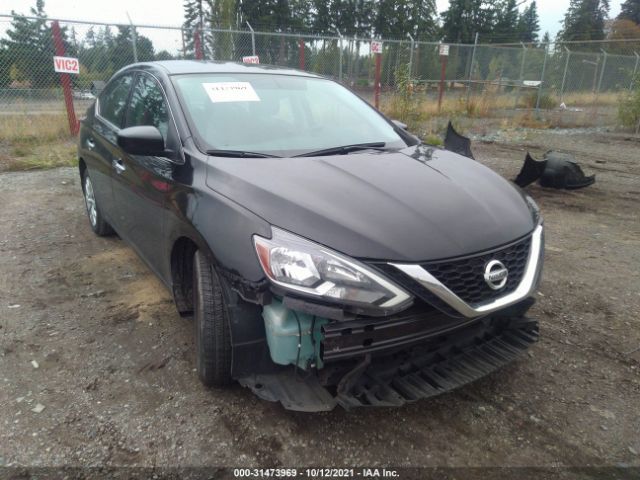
[[398, 360]]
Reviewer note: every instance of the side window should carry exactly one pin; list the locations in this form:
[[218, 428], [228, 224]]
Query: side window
[[113, 100], [148, 106]]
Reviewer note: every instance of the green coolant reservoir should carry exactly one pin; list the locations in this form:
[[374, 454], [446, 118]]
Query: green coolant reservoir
[[283, 327]]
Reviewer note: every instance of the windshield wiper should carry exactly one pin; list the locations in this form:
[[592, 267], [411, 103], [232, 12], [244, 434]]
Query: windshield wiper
[[343, 150], [239, 154]]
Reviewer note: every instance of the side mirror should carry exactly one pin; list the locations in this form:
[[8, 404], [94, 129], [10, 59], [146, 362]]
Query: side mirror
[[399, 124], [142, 140]]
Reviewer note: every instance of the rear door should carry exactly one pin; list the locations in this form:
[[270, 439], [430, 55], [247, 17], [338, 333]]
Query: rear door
[[102, 141], [141, 182]]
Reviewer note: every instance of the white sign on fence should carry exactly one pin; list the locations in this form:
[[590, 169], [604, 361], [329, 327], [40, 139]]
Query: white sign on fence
[[444, 50], [376, 46], [66, 65], [251, 59]]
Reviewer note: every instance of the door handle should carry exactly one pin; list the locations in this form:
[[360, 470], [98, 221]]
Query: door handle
[[118, 165], [90, 143]]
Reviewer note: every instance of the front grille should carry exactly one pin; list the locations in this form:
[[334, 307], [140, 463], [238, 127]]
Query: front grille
[[465, 277]]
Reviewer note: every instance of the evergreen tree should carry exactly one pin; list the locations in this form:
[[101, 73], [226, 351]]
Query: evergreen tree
[[529, 24], [630, 10], [546, 39], [424, 25], [321, 19], [464, 18], [29, 48], [585, 20], [268, 15], [505, 27], [198, 15], [396, 18]]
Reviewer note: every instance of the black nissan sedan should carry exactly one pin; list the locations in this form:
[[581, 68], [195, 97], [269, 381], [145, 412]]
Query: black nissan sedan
[[325, 255]]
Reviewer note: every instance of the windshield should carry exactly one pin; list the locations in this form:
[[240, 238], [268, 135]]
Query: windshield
[[278, 114]]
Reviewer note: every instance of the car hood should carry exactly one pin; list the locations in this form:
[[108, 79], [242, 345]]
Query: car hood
[[411, 205]]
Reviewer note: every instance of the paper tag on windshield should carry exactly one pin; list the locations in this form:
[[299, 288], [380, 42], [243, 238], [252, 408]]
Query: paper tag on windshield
[[231, 92]]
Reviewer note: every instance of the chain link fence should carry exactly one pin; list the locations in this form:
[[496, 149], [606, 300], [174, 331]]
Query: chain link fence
[[514, 76]]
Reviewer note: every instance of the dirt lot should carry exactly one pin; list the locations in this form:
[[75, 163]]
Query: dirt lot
[[87, 333]]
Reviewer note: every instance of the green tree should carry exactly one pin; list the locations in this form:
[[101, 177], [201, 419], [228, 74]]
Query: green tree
[[5, 68], [120, 53], [29, 48], [198, 18], [269, 15], [505, 26], [464, 18], [585, 20], [546, 39], [630, 10], [529, 24], [396, 18]]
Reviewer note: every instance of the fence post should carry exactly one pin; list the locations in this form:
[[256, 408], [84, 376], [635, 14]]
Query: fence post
[[635, 70], [184, 49], [65, 79], [253, 40], [377, 80], [524, 56], [564, 75], [473, 59], [544, 68], [443, 72], [411, 55], [604, 65], [197, 45], [301, 54], [133, 40], [339, 55]]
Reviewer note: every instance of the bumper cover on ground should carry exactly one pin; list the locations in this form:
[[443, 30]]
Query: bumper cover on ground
[[432, 368]]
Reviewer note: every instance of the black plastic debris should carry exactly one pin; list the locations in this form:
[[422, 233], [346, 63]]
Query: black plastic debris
[[454, 142], [555, 170], [531, 171]]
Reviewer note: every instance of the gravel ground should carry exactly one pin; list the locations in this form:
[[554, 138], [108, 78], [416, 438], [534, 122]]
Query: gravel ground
[[96, 367]]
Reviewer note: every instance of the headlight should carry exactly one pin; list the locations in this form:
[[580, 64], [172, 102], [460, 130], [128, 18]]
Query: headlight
[[302, 266]]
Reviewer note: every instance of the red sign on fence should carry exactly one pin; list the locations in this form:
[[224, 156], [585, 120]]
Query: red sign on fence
[[251, 59], [66, 65]]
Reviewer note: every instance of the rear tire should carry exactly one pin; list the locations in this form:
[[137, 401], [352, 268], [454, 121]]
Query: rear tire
[[98, 224], [213, 335]]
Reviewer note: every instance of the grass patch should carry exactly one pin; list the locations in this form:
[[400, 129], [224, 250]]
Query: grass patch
[[31, 142], [61, 153], [33, 129]]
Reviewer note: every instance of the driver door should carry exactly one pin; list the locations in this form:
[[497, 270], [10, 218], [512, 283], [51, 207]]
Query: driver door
[[141, 183]]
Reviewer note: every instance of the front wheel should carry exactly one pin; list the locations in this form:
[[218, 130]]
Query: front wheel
[[98, 224], [213, 335]]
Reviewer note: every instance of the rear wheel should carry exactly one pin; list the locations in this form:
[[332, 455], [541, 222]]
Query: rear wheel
[[213, 335], [97, 221]]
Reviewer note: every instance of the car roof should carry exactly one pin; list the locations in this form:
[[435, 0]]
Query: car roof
[[174, 67]]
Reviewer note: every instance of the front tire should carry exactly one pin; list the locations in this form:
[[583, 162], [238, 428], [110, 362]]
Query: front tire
[[98, 224], [213, 335]]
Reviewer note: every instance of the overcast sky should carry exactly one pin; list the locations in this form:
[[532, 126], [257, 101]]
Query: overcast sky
[[169, 12]]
